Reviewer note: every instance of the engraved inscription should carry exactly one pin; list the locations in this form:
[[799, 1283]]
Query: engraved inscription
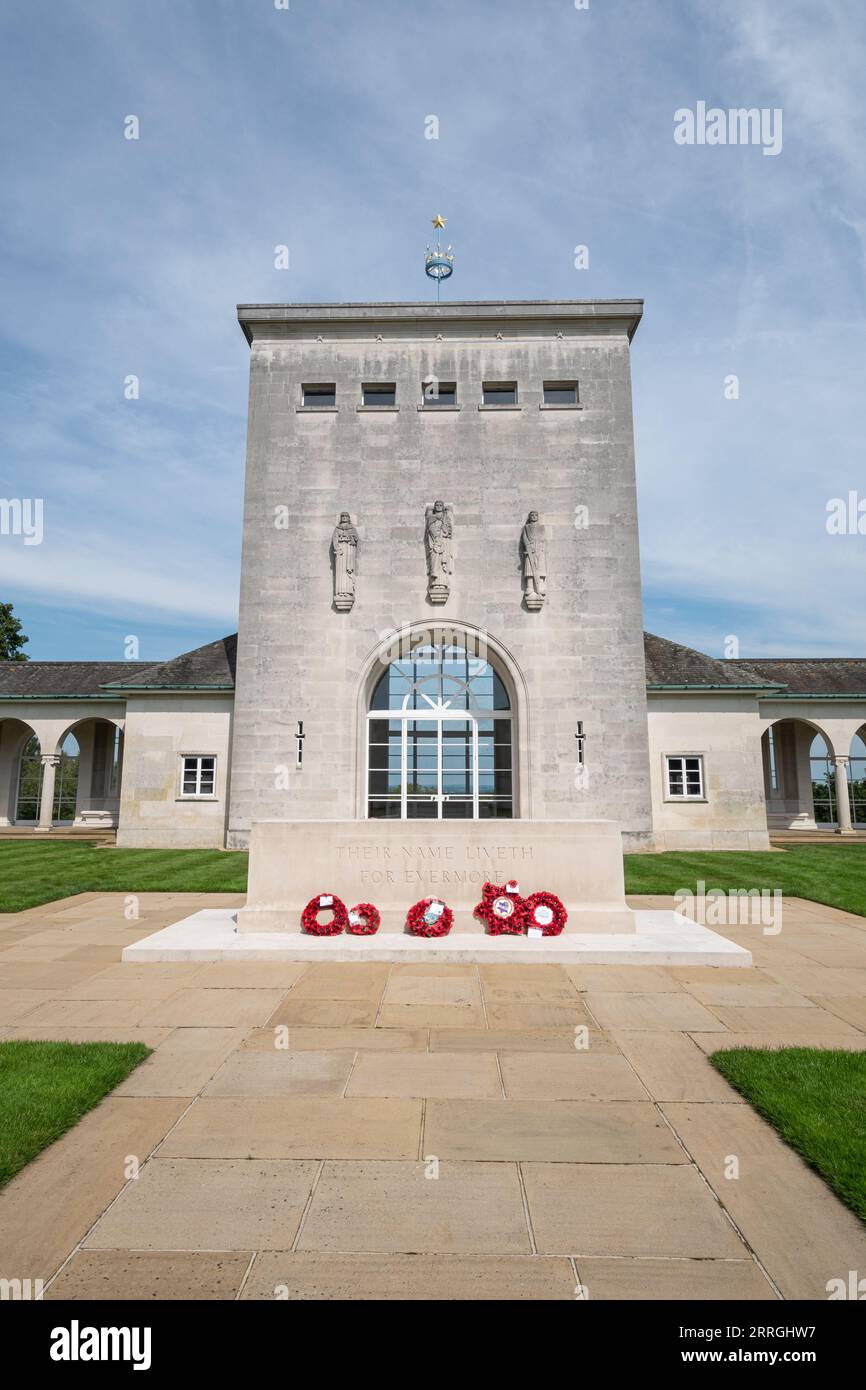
[[423, 865]]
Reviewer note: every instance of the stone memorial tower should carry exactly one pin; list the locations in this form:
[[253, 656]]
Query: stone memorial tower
[[440, 581]]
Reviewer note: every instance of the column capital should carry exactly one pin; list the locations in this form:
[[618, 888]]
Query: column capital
[[841, 759], [50, 759]]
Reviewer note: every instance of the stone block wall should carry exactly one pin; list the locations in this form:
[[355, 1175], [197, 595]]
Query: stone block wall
[[580, 657]]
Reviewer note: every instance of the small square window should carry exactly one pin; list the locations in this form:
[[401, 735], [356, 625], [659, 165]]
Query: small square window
[[198, 776], [499, 393], [379, 393], [560, 393], [322, 394], [685, 777], [438, 393]]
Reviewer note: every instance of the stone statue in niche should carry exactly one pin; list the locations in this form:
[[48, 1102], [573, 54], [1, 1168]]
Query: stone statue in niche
[[344, 544], [438, 542], [533, 547]]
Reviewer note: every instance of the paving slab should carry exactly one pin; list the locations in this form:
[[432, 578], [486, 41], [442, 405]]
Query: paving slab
[[568, 1132], [542, 1014], [428, 1278], [91, 1013], [799, 1230], [216, 1008], [718, 975], [825, 980], [838, 955], [17, 1003], [457, 990], [323, 1013], [516, 1040], [119, 1032], [148, 1275], [661, 1013], [673, 1067], [278, 1072], [782, 1022], [851, 1009], [431, 1016], [681, 1280], [183, 1063], [248, 974], [319, 983], [50, 1205], [54, 976], [504, 984], [297, 1127], [324, 1039], [722, 1042], [183, 1204], [143, 982], [574, 1075], [624, 979], [767, 996], [468, 1208], [426, 1074], [627, 1209]]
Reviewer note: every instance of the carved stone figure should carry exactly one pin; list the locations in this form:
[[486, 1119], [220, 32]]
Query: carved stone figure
[[534, 549], [344, 544], [438, 538]]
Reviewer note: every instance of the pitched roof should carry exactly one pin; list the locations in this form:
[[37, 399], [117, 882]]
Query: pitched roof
[[211, 667], [807, 675], [670, 666], [40, 680]]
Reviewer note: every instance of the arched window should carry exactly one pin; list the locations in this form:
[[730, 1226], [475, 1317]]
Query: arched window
[[440, 743], [29, 790], [28, 800], [823, 781]]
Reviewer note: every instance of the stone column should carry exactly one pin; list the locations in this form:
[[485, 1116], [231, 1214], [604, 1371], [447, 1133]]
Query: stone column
[[50, 763], [843, 805]]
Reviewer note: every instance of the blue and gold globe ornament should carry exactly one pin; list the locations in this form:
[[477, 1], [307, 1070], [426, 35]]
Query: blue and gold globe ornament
[[438, 264]]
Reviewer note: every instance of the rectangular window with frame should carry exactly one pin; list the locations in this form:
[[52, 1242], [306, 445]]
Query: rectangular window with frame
[[685, 776], [438, 393], [379, 393], [560, 393], [319, 395], [198, 775], [499, 393]]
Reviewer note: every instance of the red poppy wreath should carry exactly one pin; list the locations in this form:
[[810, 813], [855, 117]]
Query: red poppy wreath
[[430, 917], [364, 920], [503, 909], [545, 913], [324, 902]]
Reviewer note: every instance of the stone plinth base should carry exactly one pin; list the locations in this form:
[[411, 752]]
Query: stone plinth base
[[395, 863], [659, 938]]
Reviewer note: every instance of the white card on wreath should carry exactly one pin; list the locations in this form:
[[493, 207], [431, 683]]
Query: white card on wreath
[[326, 900], [534, 931]]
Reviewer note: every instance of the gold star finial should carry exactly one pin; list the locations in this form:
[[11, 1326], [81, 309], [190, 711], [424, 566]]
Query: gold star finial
[[438, 220]]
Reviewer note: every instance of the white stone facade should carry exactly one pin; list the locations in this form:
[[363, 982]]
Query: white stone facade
[[683, 751]]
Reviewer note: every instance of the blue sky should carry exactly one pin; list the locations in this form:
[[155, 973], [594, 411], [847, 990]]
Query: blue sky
[[261, 126]]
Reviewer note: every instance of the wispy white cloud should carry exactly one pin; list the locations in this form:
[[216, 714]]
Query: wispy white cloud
[[306, 126]]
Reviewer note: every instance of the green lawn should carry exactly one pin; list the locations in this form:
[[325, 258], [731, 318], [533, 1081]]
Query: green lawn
[[46, 1087], [816, 1100], [832, 874], [40, 871]]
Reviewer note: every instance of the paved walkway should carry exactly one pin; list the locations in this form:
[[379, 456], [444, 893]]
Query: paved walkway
[[332, 1131]]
